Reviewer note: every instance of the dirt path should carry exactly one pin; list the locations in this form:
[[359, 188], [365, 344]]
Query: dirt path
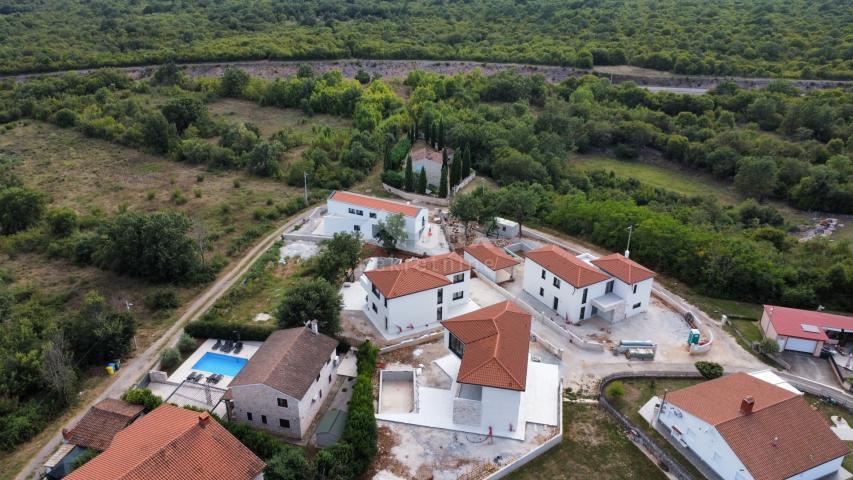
[[138, 366], [654, 80]]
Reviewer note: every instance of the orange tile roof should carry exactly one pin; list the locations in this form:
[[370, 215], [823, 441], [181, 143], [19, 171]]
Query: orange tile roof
[[417, 275], [491, 255], [623, 268], [172, 443], [783, 436], [101, 423], [376, 203], [421, 151], [496, 342], [566, 266]]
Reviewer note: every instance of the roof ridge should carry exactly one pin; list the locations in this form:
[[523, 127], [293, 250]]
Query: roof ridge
[[765, 407], [141, 461]]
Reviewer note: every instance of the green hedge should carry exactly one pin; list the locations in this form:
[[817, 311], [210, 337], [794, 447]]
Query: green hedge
[[221, 329]]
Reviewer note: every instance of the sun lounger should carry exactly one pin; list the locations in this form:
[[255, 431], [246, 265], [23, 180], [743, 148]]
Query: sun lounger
[[217, 344], [216, 378], [238, 347], [211, 378], [229, 345], [198, 377], [190, 377]]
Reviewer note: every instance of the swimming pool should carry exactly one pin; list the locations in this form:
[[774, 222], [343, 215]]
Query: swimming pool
[[222, 364]]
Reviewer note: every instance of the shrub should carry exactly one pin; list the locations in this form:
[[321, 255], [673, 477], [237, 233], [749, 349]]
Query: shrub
[[142, 396], [236, 183], [84, 458], [393, 178], [65, 118], [289, 464], [220, 329], [164, 299], [178, 197], [709, 370], [187, 344], [62, 222], [171, 358], [615, 391], [150, 195], [197, 192], [769, 346]]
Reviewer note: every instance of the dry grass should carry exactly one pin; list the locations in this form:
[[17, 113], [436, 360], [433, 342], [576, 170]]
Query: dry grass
[[270, 119]]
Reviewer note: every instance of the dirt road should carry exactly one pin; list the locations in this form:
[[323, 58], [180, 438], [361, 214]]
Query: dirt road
[[135, 368]]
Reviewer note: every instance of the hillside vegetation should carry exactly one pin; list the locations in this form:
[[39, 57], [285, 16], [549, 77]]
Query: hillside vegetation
[[799, 38]]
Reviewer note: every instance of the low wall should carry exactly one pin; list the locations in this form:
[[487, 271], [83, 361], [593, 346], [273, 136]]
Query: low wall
[[536, 452], [464, 183], [426, 338], [305, 237], [414, 197]]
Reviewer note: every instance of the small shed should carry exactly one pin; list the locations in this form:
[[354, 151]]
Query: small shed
[[331, 427], [506, 228]]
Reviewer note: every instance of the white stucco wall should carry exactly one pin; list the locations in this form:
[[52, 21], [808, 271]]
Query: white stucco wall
[[570, 298], [500, 409], [260, 400], [706, 442], [339, 219], [626, 291], [417, 309], [433, 171]]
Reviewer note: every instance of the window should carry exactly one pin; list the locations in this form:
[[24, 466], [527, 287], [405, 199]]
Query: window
[[264, 419], [583, 312], [372, 215], [249, 416], [375, 290], [458, 295], [456, 346], [356, 212], [330, 378], [556, 303], [635, 289], [543, 274], [375, 310], [440, 294], [593, 312], [583, 300], [636, 305], [318, 378], [282, 402], [541, 292], [556, 282], [283, 423], [459, 277], [356, 228], [321, 394], [609, 287], [386, 303], [438, 314]]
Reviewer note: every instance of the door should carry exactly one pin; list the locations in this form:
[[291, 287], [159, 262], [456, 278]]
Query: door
[[556, 303], [800, 345]]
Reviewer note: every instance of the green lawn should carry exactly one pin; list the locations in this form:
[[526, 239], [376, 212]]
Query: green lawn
[[271, 119], [637, 393], [593, 446], [828, 411]]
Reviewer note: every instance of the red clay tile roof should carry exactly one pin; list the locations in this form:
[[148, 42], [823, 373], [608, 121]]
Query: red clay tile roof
[[376, 203], [172, 443], [566, 266], [416, 275], [100, 424], [623, 268], [420, 151], [783, 436], [789, 322], [491, 255], [288, 361], [496, 342]]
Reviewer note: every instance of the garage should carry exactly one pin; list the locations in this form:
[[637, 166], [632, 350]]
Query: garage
[[801, 345]]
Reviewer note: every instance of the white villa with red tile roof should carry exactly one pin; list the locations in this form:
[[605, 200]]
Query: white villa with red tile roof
[[352, 212], [417, 294], [496, 389], [579, 287], [803, 330], [745, 428]]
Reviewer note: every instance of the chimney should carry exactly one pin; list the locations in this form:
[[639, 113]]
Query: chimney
[[746, 405], [627, 254], [66, 434], [203, 419], [314, 329]]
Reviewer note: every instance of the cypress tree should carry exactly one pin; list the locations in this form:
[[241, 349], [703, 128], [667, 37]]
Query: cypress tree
[[386, 155], [455, 172], [442, 187], [441, 134], [444, 160], [422, 181], [409, 184], [466, 159]]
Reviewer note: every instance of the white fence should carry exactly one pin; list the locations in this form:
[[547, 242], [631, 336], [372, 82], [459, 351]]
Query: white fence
[[414, 197]]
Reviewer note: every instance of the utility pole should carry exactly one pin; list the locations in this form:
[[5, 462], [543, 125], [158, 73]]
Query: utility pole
[[628, 248], [305, 177]]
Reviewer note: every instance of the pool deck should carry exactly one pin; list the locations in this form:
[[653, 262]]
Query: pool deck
[[182, 372]]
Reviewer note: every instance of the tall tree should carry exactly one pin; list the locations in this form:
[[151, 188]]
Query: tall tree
[[466, 161], [442, 186], [409, 181], [392, 231], [422, 181], [455, 172], [466, 209], [314, 299], [20, 208], [339, 256], [441, 143], [756, 177]]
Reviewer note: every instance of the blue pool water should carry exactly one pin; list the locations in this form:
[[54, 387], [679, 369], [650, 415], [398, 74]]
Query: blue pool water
[[218, 363]]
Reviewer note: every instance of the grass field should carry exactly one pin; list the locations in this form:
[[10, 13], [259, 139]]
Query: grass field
[[270, 119], [593, 446], [828, 411]]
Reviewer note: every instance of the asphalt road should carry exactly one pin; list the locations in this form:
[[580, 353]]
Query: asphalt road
[[134, 369]]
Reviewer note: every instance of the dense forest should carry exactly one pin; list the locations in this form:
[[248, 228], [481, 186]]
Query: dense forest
[[778, 38]]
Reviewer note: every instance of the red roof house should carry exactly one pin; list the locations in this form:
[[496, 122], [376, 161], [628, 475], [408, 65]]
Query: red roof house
[[802, 330]]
